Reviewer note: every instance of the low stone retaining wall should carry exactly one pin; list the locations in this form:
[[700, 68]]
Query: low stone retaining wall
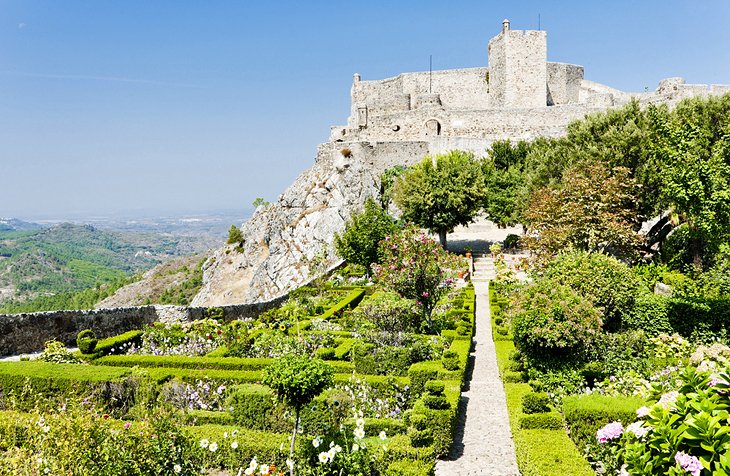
[[27, 333]]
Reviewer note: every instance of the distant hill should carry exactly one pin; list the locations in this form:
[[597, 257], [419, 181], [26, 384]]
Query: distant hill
[[12, 224], [40, 263]]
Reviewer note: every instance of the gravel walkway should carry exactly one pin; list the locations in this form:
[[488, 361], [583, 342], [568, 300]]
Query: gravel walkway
[[483, 442]]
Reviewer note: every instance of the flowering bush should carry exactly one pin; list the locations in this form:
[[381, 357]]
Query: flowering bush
[[381, 402], [418, 268], [200, 338], [684, 432], [201, 396], [345, 454]]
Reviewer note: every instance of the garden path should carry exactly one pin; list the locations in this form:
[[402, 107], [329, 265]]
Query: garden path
[[483, 443]]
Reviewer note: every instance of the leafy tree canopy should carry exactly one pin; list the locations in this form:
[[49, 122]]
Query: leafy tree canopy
[[358, 243], [441, 192]]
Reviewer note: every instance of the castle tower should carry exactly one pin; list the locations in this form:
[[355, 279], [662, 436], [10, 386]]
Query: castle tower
[[518, 68]]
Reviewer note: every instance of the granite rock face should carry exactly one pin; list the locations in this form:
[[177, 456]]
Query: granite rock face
[[283, 239]]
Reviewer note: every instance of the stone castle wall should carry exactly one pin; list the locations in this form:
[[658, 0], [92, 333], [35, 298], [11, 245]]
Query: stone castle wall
[[27, 333]]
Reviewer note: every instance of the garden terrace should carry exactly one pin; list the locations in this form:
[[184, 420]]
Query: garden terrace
[[211, 371]]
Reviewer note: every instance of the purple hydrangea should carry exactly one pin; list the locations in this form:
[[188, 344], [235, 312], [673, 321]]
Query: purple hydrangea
[[612, 431], [689, 463]]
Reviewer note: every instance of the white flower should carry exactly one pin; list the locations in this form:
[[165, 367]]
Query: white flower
[[359, 433], [383, 436], [46, 429], [225, 434], [324, 457], [177, 468], [290, 463], [316, 442], [253, 465], [213, 447], [638, 429], [355, 447], [234, 445], [234, 434], [248, 471], [204, 443], [360, 422], [264, 469], [331, 453], [642, 412], [337, 448]]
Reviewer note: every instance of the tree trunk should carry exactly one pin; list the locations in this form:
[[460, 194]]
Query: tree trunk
[[293, 437], [696, 246], [442, 238]]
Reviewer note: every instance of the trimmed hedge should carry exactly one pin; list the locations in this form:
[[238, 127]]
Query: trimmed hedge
[[207, 417], [215, 363], [542, 421], [585, 414], [112, 345], [342, 351], [349, 302], [264, 445], [540, 452]]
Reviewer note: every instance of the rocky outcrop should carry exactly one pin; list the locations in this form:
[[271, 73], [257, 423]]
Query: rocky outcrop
[[283, 240]]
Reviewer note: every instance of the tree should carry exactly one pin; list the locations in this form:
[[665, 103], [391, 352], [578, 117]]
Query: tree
[[358, 243], [503, 175], [296, 382], [441, 192], [591, 210], [418, 268], [692, 147], [235, 237]]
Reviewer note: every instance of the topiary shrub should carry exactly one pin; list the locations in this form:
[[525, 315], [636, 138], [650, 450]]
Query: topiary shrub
[[297, 381], [435, 398], [550, 320], [86, 341], [542, 421], [607, 282], [535, 402], [253, 406], [450, 360]]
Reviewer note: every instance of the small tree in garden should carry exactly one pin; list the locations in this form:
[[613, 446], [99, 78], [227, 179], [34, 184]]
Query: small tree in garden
[[358, 244], [416, 267], [297, 381]]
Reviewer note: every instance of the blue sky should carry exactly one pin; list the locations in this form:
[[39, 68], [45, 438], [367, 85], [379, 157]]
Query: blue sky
[[117, 106]]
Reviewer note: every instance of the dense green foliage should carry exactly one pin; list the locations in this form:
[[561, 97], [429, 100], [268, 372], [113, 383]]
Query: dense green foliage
[[551, 320], [503, 171], [441, 192], [358, 243]]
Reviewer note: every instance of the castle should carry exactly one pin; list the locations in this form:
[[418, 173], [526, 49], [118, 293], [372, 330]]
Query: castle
[[398, 121], [519, 96]]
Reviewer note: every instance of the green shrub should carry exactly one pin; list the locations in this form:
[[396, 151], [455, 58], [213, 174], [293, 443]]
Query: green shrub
[[410, 468], [535, 402], [118, 344], [586, 414], [550, 320], [421, 373], [436, 402], [208, 417], [253, 406], [56, 353], [86, 341], [434, 387], [264, 445], [650, 313], [608, 283], [450, 360], [542, 421], [387, 311]]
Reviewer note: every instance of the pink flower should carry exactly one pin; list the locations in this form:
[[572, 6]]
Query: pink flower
[[127, 425], [425, 294], [689, 463], [612, 431]]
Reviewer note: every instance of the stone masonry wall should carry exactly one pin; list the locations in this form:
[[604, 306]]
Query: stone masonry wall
[[27, 333]]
